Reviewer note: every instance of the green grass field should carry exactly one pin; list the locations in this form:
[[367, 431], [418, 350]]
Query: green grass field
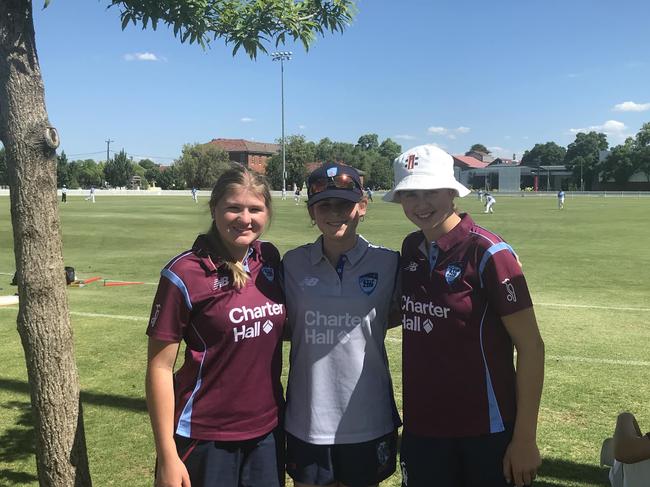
[[587, 268]]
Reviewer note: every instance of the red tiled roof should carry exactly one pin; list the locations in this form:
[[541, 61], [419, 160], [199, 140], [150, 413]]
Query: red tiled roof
[[469, 161], [241, 145]]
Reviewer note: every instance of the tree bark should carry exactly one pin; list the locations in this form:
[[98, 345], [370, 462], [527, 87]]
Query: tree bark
[[43, 321]]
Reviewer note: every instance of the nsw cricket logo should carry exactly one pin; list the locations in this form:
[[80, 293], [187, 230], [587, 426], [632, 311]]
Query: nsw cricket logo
[[368, 282], [453, 272], [269, 273]]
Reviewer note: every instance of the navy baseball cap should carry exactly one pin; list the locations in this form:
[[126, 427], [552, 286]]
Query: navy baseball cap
[[334, 180]]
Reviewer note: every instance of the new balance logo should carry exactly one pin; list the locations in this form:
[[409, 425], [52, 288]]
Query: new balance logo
[[220, 282], [411, 267]]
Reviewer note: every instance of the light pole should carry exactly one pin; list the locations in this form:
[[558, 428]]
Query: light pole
[[282, 56]]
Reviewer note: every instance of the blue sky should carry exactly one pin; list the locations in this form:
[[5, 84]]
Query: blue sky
[[507, 74]]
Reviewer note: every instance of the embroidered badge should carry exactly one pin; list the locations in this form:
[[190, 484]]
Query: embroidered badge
[[453, 272], [269, 273], [331, 172], [368, 282]]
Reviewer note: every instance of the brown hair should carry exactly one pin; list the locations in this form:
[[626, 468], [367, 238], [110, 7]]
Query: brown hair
[[235, 178]]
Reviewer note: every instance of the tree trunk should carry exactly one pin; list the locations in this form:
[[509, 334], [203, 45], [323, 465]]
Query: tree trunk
[[43, 322]]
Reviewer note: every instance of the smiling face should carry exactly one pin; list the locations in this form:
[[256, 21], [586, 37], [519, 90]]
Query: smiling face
[[240, 216], [336, 218], [432, 210]]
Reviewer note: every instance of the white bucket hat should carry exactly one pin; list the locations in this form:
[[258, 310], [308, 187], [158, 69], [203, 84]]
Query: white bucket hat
[[424, 167]]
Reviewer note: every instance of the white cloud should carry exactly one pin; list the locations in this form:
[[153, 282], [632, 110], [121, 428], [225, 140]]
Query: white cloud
[[609, 127], [404, 137], [246, 120], [630, 106], [615, 130], [449, 133], [141, 56]]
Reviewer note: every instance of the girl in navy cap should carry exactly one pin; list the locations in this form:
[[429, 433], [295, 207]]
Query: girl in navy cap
[[216, 420], [470, 419], [341, 418]]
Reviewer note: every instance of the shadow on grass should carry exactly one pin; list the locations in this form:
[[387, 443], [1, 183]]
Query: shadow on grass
[[95, 398], [563, 471], [17, 443]]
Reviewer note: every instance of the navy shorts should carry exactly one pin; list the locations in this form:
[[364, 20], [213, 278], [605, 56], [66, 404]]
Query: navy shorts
[[475, 461], [354, 464], [258, 462]]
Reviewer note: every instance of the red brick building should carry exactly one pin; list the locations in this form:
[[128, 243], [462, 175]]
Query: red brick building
[[253, 155]]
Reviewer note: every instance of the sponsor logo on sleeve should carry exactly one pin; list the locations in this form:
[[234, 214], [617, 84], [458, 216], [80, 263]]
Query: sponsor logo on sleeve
[[154, 318], [453, 272], [269, 273], [368, 282], [510, 289]]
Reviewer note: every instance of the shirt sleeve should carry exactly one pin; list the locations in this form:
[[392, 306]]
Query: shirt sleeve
[[503, 280], [170, 313]]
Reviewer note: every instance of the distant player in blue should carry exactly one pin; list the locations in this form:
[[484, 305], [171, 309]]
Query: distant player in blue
[[195, 195], [560, 200], [369, 193]]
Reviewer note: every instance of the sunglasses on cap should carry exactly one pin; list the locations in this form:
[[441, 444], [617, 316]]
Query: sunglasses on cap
[[341, 181]]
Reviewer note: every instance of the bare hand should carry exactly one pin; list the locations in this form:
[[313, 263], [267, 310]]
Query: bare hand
[[520, 463], [172, 473]]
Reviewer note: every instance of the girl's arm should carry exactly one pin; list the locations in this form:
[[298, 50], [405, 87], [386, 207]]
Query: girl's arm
[[522, 458], [171, 471]]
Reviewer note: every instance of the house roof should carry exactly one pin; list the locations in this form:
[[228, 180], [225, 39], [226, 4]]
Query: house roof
[[469, 161], [241, 145]]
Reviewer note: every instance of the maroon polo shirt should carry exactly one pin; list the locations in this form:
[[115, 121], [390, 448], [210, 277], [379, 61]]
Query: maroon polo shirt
[[228, 387], [458, 373]]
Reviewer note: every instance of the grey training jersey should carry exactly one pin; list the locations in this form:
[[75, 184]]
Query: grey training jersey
[[339, 388]]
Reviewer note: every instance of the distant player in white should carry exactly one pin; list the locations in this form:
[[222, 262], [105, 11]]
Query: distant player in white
[[195, 195], [560, 200], [489, 203], [480, 195], [91, 195]]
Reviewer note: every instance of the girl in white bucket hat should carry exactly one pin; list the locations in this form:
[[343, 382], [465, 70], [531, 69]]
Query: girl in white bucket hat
[[470, 418]]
